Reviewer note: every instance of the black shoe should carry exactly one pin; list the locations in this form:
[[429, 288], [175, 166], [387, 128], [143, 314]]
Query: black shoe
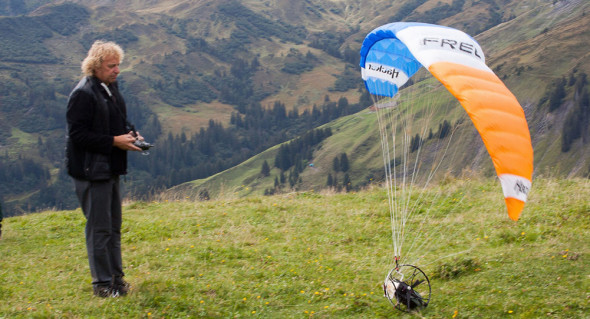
[[103, 291], [120, 287]]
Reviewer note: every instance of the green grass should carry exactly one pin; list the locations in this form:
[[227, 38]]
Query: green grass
[[310, 255]]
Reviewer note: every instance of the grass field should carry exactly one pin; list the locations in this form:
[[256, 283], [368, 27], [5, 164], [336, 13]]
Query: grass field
[[310, 255]]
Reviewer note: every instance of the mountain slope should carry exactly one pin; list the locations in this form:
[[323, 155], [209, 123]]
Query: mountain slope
[[528, 53], [189, 62]]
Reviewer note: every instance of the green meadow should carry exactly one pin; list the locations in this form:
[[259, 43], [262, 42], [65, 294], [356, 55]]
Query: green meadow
[[311, 255]]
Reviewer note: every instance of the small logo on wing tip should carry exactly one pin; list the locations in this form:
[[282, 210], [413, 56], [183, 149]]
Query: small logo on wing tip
[[521, 188]]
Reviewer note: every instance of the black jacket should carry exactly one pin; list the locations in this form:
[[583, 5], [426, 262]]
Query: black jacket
[[93, 120]]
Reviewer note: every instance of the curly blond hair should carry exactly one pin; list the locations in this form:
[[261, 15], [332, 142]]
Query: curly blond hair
[[99, 51]]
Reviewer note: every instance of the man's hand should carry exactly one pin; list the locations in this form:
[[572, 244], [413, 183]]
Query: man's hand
[[138, 136], [125, 142]]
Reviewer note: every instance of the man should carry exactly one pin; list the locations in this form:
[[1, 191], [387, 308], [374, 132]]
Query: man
[[98, 139]]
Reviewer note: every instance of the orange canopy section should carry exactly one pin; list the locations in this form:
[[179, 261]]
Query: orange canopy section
[[499, 119]]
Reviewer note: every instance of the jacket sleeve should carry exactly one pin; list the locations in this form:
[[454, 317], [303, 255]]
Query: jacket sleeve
[[79, 116]]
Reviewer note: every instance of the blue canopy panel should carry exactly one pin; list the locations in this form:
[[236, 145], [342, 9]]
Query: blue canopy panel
[[386, 63]]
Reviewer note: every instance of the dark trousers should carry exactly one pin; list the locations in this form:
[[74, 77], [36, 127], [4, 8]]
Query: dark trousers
[[101, 204]]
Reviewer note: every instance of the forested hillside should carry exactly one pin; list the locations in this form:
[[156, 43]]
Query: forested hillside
[[214, 83]]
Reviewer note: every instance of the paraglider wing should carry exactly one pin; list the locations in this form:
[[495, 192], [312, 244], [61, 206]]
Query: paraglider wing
[[392, 53]]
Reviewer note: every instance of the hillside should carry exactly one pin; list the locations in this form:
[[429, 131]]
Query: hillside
[[193, 68], [525, 59], [310, 255]]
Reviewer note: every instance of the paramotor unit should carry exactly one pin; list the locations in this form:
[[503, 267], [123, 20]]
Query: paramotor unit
[[407, 288]]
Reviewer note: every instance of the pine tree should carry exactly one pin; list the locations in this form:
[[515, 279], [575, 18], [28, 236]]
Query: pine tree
[[444, 129], [415, 143], [336, 164], [347, 183], [365, 100], [576, 122], [557, 95], [344, 166], [265, 170], [584, 104], [204, 194], [293, 177]]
